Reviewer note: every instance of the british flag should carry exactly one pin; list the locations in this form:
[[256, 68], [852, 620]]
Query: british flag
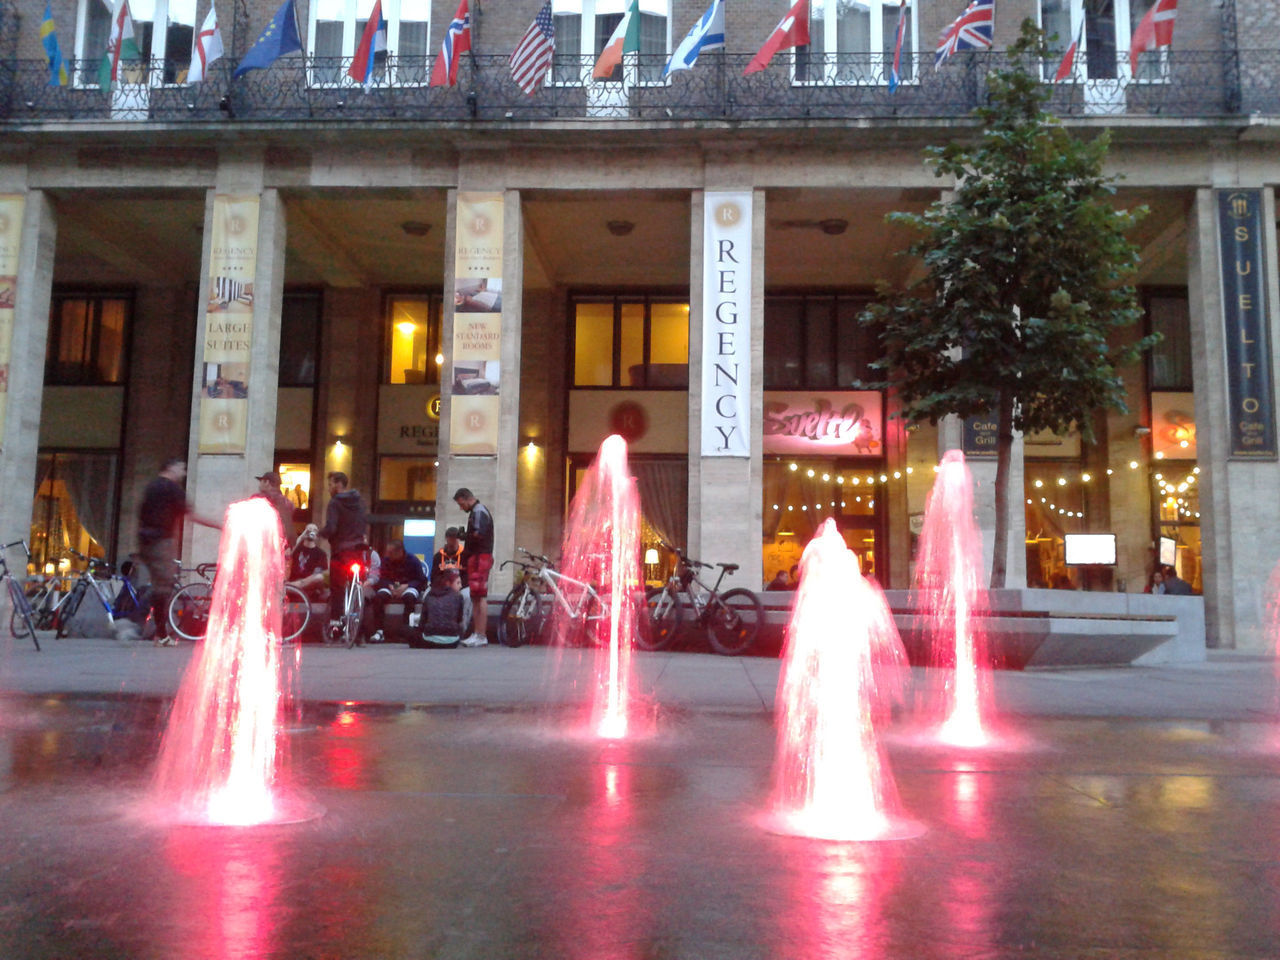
[[972, 30]]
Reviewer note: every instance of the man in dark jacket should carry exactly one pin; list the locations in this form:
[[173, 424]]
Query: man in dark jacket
[[269, 490], [402, 579], [442, 621], [1174, 585], [346, 525], [477, 558]]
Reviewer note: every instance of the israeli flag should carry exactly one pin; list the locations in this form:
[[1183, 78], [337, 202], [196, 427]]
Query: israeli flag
[[706, 34]]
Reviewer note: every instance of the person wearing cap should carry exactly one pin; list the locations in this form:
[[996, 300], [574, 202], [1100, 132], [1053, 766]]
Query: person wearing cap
[[309, 564], [269, 489]]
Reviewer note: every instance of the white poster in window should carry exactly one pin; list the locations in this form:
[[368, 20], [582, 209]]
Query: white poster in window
[[12, 206], [726, 325]]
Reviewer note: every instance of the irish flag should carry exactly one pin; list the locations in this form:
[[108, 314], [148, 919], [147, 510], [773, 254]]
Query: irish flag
[[625, 39], [121, 45]]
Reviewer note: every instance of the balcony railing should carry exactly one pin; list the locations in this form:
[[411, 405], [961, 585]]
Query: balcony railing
[[1182, 84]]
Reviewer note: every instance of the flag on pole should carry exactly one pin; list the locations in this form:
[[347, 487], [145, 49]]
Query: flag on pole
[[1155, 30], [457, 41], [49, 37], [895, 74], [791, 31], [121, 45], [206, 48], [972, 30], [1067, 68], [279, 37], [531, 59], [373, 40], [706, 34], [624, 39]]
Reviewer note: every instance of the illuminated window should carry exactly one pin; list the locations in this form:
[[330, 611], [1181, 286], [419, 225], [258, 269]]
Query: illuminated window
[[413, 339], [86, 340], [406, 480], [295, 483], [633, 342]]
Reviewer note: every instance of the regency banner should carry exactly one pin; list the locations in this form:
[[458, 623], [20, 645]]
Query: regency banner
[[726, 325], [1251, 424], [12, 206], [477, 325], [228, 326]]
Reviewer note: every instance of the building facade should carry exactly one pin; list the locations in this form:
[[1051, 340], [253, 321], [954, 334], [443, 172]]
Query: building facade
[[430, 287]]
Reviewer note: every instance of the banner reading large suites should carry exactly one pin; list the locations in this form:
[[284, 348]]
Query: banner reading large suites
[[12, 206], [726, 325], [228, 325], [477, 325]]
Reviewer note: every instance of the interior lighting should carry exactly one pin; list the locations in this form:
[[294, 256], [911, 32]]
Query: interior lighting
[[439, 359], [651, 556], [793, 467], [855, 480], [883, 478], [1110, 471], [1195, 470], [910, 471], [871, 480], [1184, 444], [809, 473], [1133, 464], [1028, 499], [407, 327], [1159, 454], [897, 475], [1039, 483], [1085, 477], [804, 506], [826, 477], [790, 507], [1062, 481], [1160, 477], [839, 479], [775, 506]]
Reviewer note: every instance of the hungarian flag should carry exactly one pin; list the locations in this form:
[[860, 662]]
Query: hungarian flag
[[791, 31], [206, 48], [457, 41], [373, 40], [1067, 68], [625, 39], [1155, 30], [121, 45]]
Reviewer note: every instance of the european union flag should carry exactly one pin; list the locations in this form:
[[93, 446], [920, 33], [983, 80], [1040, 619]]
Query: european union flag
[[280, 37], [49, 37]]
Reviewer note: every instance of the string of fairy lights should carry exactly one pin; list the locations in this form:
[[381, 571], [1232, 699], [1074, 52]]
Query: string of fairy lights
[[1174, 493]]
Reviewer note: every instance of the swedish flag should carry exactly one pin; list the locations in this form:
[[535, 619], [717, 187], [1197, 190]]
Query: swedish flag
[[49, 37]]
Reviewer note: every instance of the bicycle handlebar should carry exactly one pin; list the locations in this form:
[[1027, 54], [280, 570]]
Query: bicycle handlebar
[[204, 569], [536, 557]]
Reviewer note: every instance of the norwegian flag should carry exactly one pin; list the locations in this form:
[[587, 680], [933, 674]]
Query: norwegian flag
[[457, 41], [972, 30], [1155, 30]]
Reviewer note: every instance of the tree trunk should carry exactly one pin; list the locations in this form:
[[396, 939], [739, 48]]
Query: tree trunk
[[1004, 452]]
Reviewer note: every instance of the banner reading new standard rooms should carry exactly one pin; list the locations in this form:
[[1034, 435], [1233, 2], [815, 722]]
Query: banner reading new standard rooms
[[228, 327], [477, 325], [726, 325]]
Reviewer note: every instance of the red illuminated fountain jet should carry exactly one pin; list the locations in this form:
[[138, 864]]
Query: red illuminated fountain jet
[[948, 568], [219, 756], [841, 670], [602, 548]]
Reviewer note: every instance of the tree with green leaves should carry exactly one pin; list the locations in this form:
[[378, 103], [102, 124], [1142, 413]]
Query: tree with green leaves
[[1027, 271]]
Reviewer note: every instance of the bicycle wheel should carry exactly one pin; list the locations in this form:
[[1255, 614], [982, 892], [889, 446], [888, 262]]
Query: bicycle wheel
[[294, 613], [66, 613], [351, 618], [734, 621], [20, 619], [521, 619], [663, 620], [189, 611]]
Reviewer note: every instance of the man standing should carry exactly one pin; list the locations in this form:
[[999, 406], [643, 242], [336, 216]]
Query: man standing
[[477, 558], [269, 489], [346, 524], [164, 505]]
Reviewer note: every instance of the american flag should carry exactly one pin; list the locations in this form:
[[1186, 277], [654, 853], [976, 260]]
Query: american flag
[[972, 30], [532, 56]]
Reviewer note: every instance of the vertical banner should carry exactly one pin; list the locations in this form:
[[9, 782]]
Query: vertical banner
[[1250, 392], [228, 327], [477, 325], [726, 325], [12, 206]]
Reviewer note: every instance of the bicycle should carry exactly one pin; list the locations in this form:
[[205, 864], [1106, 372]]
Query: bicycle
[[44, 600], [20, 615], [731, 619], [346, 630], [114, 605], [526, 608], [189, 607]]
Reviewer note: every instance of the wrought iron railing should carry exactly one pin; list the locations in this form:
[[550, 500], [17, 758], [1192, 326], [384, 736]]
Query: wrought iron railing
[[1186, 84]]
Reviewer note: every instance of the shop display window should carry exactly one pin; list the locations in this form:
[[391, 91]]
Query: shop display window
[[1175, 491], [1055, 506], [75, 508]]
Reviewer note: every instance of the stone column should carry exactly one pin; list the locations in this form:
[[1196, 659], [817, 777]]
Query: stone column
[[491, 479], [1239, 508], [215, 480], [21, 437], [725, 493]]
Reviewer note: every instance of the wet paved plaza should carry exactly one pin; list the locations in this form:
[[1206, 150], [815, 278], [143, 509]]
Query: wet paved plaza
[[465, 830]]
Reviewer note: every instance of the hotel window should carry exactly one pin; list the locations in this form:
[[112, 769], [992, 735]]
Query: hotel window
[[853, 41], [299, 339], [1169, 362], [413, 350], [334, 30], [632, 342], [1105, 35], [86, 340], [815, 342], [163, 31], [583, 27], [404, 482], [800, 493]]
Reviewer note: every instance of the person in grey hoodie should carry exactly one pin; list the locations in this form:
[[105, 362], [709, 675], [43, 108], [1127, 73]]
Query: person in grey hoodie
[[346, 526], [442, 621]]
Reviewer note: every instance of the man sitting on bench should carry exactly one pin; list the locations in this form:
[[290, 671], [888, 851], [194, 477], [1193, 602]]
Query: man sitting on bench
[[401, 580]]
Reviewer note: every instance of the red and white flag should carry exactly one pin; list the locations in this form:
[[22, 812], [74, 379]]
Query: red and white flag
[[457, 41], [1067, 68], [206, 48], [532, 56], [1155, 30], [791, 31]]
